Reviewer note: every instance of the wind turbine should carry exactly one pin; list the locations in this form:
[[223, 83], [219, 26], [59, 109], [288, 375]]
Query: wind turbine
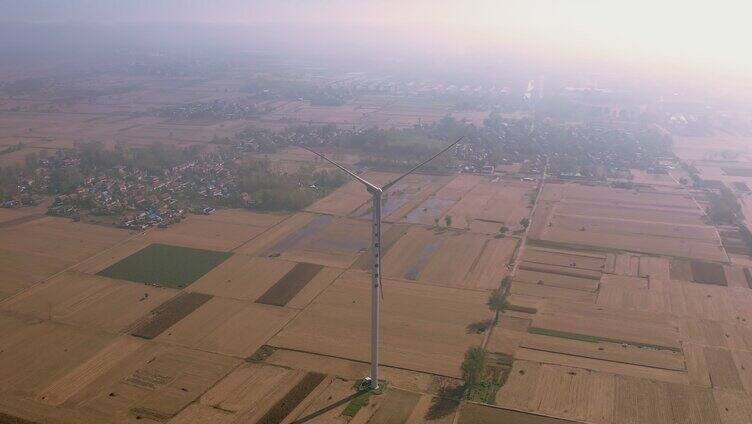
[[376, 193]]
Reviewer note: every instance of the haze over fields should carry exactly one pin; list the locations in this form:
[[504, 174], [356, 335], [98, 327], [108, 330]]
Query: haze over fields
[[173, 248]]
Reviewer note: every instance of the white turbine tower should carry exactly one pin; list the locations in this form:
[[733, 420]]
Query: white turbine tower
[[376, 192]]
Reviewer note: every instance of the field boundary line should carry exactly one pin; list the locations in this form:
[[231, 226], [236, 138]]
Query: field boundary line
[[704, 214], [381, 364], [598, 359], [299, 311], [520, 250], [72, 267], [535, 413], [261, 233]]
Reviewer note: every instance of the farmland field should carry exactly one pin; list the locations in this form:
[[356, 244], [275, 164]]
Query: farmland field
[[288, 286], [631, 220], [89, 300], [34, 250], [165, 265], [334, 324], [169, 313], [449, 257], [623, 305]]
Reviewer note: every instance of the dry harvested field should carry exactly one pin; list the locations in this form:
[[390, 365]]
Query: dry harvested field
[[662, 223], [629, 295], [449, 257], [473, 413], [550, 292], [346, 199], [733, 407], [258, 392], [10, 217], [33, 250], [607, 351], [702, 301], [559, 391], [354, 370], [60, 239], [88, 300], [248, 278], [601, 397], [229, 327], [223, 230], [36, 353], [155, 382], [436, 207], [620, 325], [245, 394], [320, 239], [490, 204], [556, 279], [415, 319], [566, 258], [404, 197]]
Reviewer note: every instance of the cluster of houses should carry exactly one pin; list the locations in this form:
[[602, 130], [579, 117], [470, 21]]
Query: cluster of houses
[[217, 109], [141, 200], [30, 184], [19, 201]]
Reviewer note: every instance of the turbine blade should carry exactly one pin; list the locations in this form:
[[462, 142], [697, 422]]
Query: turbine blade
[[393, 182], [352, 174]]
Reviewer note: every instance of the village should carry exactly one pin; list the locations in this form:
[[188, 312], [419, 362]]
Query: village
[[131, 197]]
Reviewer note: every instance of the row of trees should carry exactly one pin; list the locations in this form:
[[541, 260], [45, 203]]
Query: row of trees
[[154, 158], [724, 209], [273, 190], [480, 381]]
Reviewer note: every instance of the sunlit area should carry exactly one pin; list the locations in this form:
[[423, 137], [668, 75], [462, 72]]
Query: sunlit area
[[375, 212]]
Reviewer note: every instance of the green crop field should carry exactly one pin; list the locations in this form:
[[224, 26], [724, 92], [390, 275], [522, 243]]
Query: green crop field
[[165, 265]]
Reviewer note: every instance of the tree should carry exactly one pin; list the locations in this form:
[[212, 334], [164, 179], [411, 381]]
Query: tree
[[506, 281], [473, 366], [524, 222], [31, 160], [496, 302], [436, 222], [448, 220], [64, 180]]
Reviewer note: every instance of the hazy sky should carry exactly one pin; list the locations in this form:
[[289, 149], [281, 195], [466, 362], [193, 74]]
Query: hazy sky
[[707, 38]]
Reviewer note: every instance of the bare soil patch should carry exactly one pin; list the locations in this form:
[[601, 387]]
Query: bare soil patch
[[289, 285], [708, 273], [292, 399], [169, 313]]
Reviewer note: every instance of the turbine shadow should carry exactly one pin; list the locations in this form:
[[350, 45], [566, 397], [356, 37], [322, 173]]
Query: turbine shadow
[[328, 408]]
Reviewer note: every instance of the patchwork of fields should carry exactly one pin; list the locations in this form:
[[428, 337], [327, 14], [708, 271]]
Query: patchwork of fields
[[103, 325], [623, 307]]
